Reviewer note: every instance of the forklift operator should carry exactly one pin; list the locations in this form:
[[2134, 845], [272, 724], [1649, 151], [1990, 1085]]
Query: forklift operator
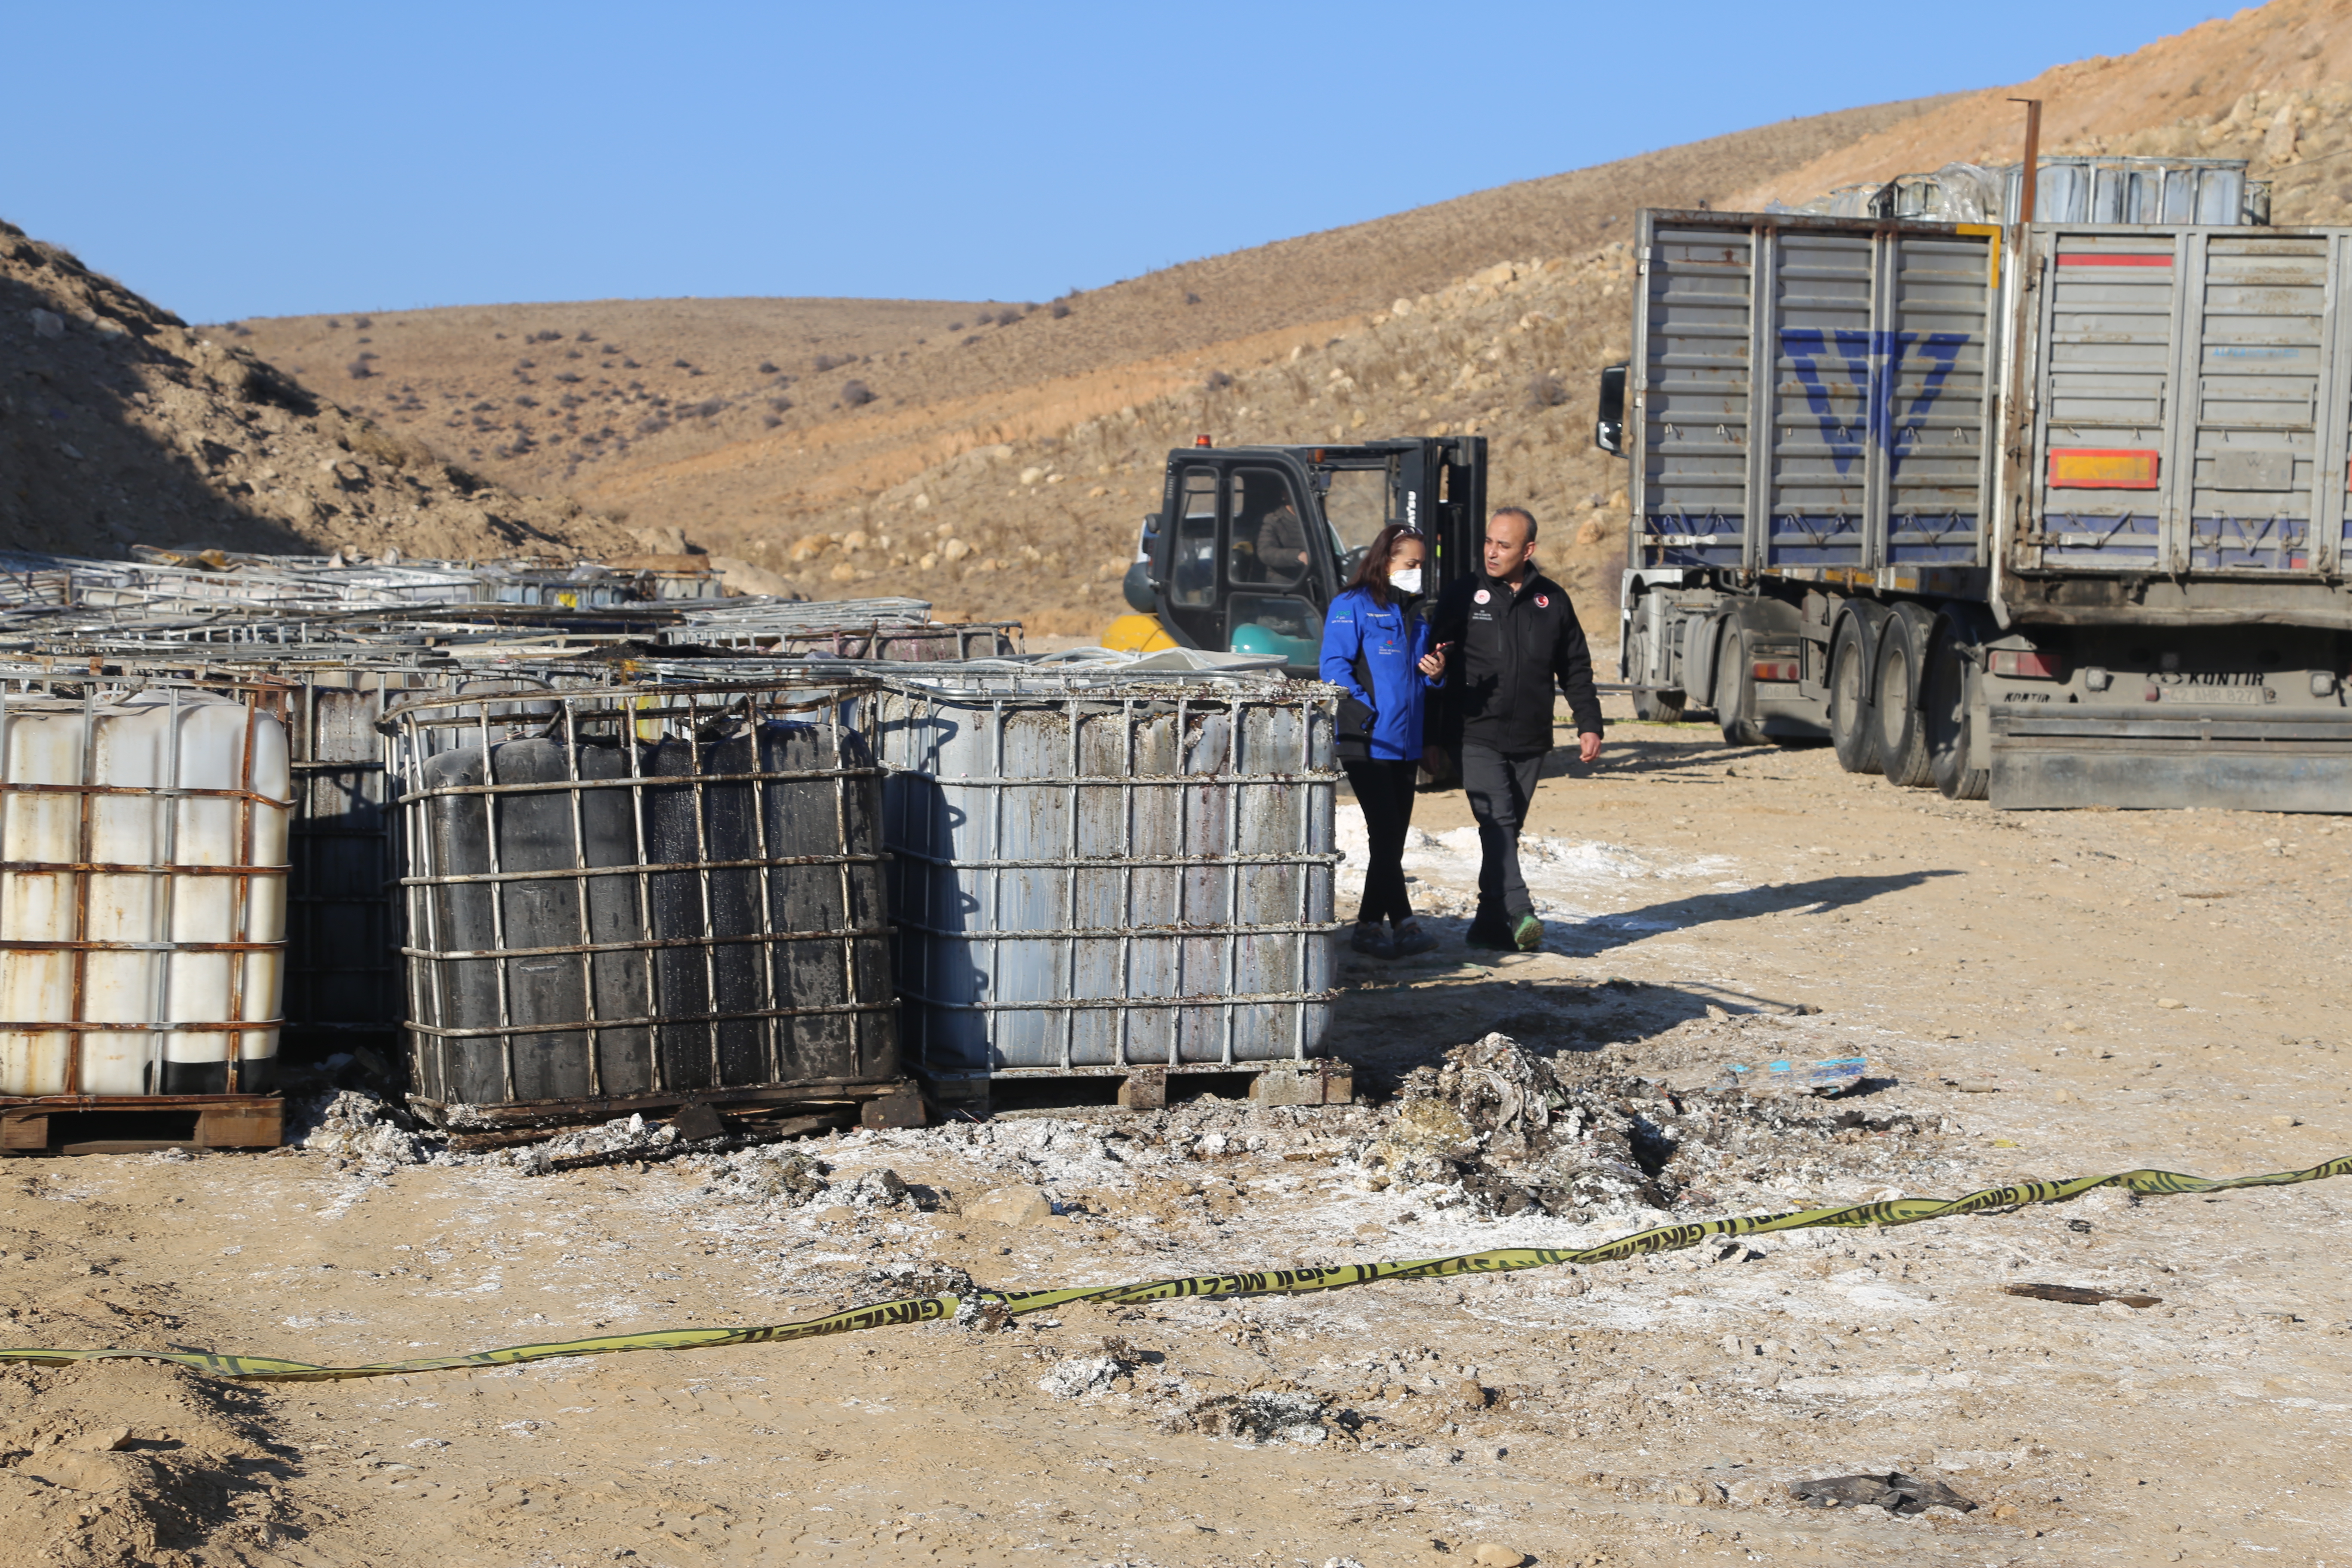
[[1273, 550]]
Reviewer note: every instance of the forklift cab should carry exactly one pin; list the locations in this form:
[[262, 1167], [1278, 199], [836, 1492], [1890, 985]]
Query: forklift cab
[[1251, 543]]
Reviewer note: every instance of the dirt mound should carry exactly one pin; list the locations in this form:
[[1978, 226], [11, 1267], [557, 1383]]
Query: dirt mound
[[118, 1463], [133, 1463], [123, 426]]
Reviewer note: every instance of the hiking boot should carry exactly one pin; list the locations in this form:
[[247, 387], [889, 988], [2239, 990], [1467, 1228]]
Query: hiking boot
[[1527, 932], [1369, 939], [1409, 939], [1490, 935]]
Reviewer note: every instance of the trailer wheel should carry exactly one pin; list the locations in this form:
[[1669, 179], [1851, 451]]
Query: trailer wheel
[[1902, 657], [1852, 734], [1948, 716], [1734, 688], [1652, 707], [1659, 707]]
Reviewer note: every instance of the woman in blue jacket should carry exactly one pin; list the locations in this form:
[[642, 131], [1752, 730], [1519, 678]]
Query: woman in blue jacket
[[1376, 648]]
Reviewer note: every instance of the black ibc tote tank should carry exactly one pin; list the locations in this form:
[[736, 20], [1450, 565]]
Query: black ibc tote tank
[[773, 1001], [520, 921], [683, 899]]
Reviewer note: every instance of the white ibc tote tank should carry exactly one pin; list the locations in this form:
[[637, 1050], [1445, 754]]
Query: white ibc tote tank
[[142, 892]]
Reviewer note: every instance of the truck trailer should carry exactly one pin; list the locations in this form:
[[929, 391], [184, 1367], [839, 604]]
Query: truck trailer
[[2051, 513]]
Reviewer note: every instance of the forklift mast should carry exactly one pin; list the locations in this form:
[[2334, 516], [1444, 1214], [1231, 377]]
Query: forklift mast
[[1251, 543]]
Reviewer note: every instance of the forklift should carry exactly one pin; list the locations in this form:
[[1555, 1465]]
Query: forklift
[[1251, 543]]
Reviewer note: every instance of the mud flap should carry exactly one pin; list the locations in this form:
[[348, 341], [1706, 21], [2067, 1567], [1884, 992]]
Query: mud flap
[[2037, 766]]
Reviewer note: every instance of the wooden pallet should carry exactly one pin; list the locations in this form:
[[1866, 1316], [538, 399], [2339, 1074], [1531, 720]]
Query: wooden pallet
[[891, 1103], [137, 1123]]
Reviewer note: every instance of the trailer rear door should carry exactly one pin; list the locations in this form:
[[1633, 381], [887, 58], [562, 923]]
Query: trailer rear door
[[2178, 401], [1865, 446]]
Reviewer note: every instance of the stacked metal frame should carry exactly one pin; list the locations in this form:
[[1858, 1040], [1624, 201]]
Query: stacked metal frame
[[925, 643], [760, 626], [643, 895], [1095, 872]]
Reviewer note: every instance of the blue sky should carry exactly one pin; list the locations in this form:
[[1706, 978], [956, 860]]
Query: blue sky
[[239, 159]]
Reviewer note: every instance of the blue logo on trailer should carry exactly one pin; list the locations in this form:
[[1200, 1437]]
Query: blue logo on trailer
[[1871, 362]]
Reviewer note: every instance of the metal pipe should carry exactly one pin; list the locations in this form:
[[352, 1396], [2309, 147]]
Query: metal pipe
[[2029, 175]]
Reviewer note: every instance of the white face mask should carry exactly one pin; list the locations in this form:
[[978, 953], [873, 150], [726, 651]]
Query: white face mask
[[1405, 582]]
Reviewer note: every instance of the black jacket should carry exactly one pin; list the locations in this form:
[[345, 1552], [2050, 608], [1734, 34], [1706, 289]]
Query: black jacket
[[1508, 650]]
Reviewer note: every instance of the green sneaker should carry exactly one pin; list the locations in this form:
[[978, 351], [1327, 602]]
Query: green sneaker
[[1527, 932]]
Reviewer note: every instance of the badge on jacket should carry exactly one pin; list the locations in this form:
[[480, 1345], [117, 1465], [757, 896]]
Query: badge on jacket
[[1543, 601], [1482, 595]]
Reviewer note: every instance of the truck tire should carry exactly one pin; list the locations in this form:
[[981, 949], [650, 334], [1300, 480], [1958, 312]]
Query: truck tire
[[1734, 688], [1903, 644], [1659, 707], [1853, 655], [1949, 714], [1652, 707]]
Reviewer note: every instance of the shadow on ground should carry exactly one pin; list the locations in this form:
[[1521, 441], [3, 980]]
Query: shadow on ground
[[1624, 760], [1594, 934], [1392, 1017]]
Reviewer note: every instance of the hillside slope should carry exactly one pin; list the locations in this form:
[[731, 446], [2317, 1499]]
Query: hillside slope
[[741, 421], [1513, 351], [120, 425], [2199, 74], [844, 443]]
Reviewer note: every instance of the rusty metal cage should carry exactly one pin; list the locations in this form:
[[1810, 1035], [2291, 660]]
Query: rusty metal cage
[[342, 972], [643, 894], [143, 833]]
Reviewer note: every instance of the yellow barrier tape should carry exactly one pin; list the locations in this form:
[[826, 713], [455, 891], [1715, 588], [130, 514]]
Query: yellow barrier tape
[[1273, 1283]]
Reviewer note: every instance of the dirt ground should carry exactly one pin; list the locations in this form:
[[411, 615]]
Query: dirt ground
[[2035, 996]]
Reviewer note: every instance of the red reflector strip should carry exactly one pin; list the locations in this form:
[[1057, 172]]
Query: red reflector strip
[[2026, 664], [2118, 258], [1776, 670], [2087, 468]]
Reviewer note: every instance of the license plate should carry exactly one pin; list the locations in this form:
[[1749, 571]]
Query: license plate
[[2243, 696]]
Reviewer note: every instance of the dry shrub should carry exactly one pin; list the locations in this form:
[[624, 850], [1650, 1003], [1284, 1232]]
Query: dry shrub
[[382, 446]]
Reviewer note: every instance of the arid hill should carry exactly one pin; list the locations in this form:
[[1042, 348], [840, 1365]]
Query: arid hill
[[750, 423], [995, 457], [120, 425], [2198, 78]]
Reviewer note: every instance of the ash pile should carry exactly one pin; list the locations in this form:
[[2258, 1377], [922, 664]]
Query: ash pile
[[1575, 1136]]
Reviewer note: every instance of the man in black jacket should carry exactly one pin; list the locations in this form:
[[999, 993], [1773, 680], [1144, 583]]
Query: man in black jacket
[[1511, 634]]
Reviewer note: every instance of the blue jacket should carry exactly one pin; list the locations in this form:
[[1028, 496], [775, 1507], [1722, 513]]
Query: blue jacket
[[1390, 642]]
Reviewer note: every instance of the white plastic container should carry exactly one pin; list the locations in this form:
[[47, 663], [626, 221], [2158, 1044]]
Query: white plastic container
[[142, 892]]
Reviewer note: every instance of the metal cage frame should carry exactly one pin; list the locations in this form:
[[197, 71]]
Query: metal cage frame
[[1130, 702], [627, 716], [259, 696]]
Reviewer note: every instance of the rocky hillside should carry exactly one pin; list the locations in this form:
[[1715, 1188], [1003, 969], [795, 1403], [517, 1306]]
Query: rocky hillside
[[1513, 351], [995, 457], [749, 423], [120, 425], [2196, 77], [1048, 522]]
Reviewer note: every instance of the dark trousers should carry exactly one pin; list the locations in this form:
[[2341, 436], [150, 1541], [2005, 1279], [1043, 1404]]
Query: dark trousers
[[1384, 790], [1500, 788]]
